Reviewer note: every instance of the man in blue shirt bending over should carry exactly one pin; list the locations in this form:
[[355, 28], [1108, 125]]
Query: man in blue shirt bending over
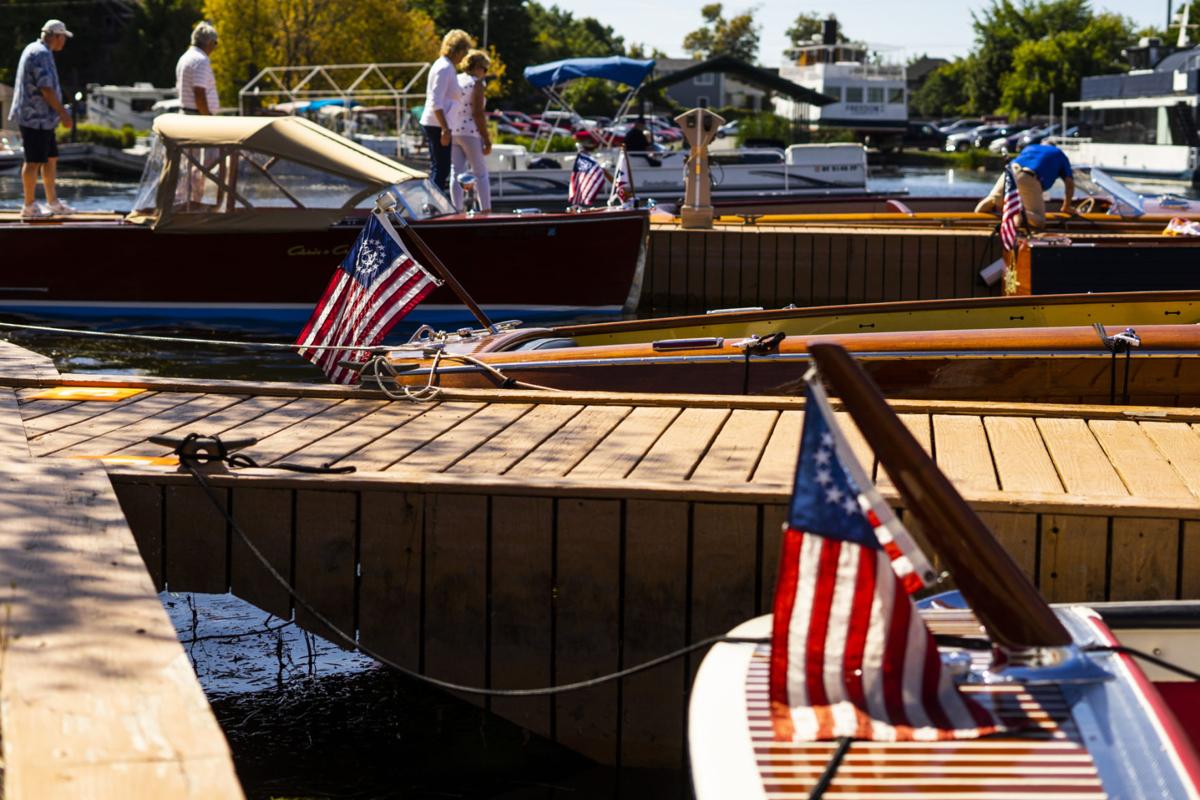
[[1035, 170]]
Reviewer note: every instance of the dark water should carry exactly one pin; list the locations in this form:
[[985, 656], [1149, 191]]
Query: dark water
[[304, 718]]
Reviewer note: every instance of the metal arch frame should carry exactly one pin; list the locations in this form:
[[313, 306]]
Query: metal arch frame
[[554, 98], [400, 96]]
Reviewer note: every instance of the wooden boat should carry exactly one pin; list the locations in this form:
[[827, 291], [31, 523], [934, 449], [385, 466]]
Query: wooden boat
[[1081, 717], [982, 348], [245, 218]]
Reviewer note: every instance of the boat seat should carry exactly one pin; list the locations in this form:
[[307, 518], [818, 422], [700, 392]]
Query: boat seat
[[552, 343]]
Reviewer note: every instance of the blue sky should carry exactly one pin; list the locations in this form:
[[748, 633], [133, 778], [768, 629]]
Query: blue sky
[[937, 27]]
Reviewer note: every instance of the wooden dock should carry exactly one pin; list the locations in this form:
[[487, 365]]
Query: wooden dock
[[515, 539], [97, 697]]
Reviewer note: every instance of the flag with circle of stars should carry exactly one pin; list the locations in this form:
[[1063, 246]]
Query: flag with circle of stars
[[825, 498]]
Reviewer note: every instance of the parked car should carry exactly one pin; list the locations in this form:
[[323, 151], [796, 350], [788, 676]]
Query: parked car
[[664, 130], [728, 129], [504, 125], [987, 137], [1009, 144], [957, 142], [960, 126], [922, 135], [1036, 135]]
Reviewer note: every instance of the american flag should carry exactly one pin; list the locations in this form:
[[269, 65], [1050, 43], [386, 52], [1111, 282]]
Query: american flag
[[1011, 212], [850, 655], [373, 288], [587, 178], [622, 186]]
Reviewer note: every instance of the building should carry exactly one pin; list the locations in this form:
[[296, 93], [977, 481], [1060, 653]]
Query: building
[[868, 96], [713, 89], [1143, 123], [118, 106]]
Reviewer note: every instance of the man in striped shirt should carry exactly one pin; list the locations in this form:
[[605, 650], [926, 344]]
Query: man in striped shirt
[[194, 79]]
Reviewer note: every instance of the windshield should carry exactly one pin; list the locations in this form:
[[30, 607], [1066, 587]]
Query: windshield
[[147, 191], [1096, 182], [418, 199]]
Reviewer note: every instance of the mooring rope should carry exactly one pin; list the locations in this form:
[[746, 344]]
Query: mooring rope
[[146, 337]]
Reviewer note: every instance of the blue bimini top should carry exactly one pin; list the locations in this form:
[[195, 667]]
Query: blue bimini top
[[618, 69]]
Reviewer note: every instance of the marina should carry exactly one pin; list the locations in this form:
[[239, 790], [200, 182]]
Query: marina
[[524, 413]]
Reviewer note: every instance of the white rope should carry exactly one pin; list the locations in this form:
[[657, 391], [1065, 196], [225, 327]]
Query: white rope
[[183, 340]]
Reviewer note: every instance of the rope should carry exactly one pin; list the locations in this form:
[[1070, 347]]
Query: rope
[[377, 366], [187, 462], [145, 337]]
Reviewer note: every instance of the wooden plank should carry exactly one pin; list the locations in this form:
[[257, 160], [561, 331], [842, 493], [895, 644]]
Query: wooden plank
[[890, 264], [196, 538], [676, 300], [1144, 559], [587, 628], [280, 445], [1189, 563], [748, 268], [724, 567], [83, 431], [823, 288], [682, 445], [697, 254], [14, 442], [785, 270], [265, 516], [558, 454], [343, 443], [67, 413], [1181, 446], [1022, 461], [928, 269], [1080, 462], [455, 630], [142, 505], [391, 447], [966, 265], [777, 464], [766, 286], [962, 451], [623, 448], [858, 443], [391, 550], [245, 412], [176, 421], [728, 284], [735, 451], [774, 518], [1074, 556], [910, 267], [1018, 534], [97, 696], [293, 413], [656, 580], [326, 538], [856, 269], [873, 261], [450, 447], [498, 454], [1144, 470], [522, 603], [657, 290], [947, 266]]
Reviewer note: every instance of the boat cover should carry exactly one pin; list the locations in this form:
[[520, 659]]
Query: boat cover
[[630, 71]]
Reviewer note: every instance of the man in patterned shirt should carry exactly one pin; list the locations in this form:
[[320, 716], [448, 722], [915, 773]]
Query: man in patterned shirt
[[37, 107]]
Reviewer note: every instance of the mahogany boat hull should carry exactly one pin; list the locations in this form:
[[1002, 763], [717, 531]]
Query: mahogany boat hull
[[512, 265]]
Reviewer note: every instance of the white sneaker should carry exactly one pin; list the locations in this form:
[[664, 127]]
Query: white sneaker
[[36, 211], [59, 207]]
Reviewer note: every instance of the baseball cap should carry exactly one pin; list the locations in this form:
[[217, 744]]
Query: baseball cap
[[56, 26]]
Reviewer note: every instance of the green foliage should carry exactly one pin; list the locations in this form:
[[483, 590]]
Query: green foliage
[[559, 34], [558, 144], [764, 126], [118, 138], [944, 92], [828, 135], [593, 96], [807, 26], [736, 36]]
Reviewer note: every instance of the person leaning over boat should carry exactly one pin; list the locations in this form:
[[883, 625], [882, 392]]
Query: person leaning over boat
[[470, 142], [194, 79], [1035, 170], [37, 107], [441, 96]]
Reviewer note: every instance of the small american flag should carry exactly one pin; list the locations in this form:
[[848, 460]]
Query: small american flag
[[373, 288], [1011, 212], [850, 655], [622, 186], [587, 178]]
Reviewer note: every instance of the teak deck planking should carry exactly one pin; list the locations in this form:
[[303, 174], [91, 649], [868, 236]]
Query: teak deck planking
[[515, 539], [734, 265]]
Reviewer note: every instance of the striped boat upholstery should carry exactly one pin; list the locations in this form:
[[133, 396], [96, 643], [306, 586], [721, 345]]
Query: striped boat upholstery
[[1043, 758]]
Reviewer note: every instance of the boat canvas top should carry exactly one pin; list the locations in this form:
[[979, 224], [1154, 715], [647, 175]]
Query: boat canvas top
[[618, 69], [265, 173]]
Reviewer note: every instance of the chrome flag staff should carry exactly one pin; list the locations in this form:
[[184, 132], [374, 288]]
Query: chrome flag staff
[[850, 655], [587, 178], [375, 286]]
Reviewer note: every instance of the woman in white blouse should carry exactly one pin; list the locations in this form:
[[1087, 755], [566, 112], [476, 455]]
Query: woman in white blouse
[[442, 98], [471, 142]]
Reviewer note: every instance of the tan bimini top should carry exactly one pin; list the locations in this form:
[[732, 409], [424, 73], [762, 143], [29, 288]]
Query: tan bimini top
[[262, 173]]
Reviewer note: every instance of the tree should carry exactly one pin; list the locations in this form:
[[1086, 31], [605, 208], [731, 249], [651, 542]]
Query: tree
[[260, 33], [807, 26], [943, 93], [156, 37], [736, 36], [639, 50]]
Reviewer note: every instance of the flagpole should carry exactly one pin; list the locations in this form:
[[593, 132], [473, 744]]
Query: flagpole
[[1000, 594], [384, 205]]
